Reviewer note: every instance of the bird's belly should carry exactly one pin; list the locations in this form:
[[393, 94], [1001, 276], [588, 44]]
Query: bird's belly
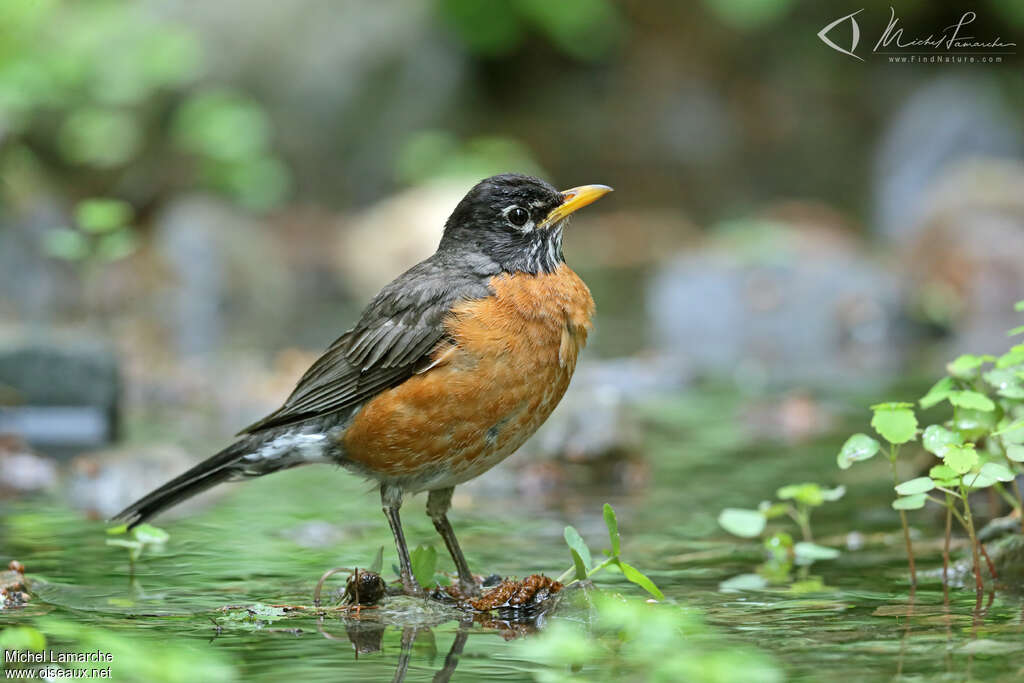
[[490, 391]]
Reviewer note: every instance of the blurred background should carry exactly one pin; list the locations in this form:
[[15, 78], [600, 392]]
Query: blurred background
[[196, 198]]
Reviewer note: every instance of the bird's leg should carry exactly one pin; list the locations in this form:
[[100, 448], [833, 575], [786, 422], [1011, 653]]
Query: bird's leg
[[391, 500], [438, 502]]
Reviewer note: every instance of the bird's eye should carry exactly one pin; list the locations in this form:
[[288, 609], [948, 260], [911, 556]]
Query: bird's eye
[[518, 216]]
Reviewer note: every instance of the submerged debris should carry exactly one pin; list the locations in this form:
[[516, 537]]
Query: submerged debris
[[527, 595], [13, 586], [364, 588]]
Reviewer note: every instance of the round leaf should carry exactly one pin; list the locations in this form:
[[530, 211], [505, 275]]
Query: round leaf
[[972, 400], [857, 447], [914, 502], [978, 480], [895, 422], [807, 493], [966, 366], [742, 523], [961, 459], [937, 439], [997, 471], [938, 393], [914, 486], [1015, 452]]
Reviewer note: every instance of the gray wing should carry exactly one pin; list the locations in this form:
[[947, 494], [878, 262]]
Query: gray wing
[[393, 338]]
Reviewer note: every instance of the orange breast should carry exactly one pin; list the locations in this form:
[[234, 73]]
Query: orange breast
[[512, 358]]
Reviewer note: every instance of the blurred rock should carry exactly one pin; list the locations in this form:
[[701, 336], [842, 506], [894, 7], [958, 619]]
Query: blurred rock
[[63, 397], [946, 121], [967, 260], [395, 234], [223, 268], [21, 470], [104, 482], [777, 302]]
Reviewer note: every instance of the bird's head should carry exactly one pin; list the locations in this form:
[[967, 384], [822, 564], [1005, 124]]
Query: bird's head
[[516, 221]]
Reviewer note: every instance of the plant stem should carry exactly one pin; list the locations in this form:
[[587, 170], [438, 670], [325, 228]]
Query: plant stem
[[903, 518], [945, 547], [974, 539]]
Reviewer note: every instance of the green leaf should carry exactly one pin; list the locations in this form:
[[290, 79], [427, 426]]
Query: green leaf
[[966, 366], [1006, 382], [857, 447], [938, 439], [914, 502], [1015, 452], [896, 422], [915, 486], [961, 459], [424, 565], [1012, 432], [378, 561], [1015, 331], [832, 495], [974, 424], [742, 523], [772, 510], [743, 582], [972, 400], [997, 471], [808, 552], [147, 533], [116, 530], [807, 493], [634, 575], [942, 472], [978, 480], [578, 564], [102, 215], [613, 528], [1019, 306], [576, 542], [22, 638], [938, 393]]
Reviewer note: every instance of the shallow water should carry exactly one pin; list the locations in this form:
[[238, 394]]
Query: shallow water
[[268, 541]]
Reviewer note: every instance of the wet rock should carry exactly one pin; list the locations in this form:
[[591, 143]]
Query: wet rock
[[778, 302], [102, 483], [23, 471], [60, 397]]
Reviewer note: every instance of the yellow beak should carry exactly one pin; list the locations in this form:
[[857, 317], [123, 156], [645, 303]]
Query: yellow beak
[[575, 199]]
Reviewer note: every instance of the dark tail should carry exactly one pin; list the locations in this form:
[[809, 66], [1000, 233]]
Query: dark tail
[[206, 474]]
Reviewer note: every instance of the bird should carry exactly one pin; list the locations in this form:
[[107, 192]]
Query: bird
[[449, 369]]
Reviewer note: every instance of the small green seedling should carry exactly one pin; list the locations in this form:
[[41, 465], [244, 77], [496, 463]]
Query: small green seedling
[[424, 565], [583, 564], [142, 538], [796, 502]]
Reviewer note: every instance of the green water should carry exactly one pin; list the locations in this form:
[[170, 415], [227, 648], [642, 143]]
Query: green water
[[169, 622]]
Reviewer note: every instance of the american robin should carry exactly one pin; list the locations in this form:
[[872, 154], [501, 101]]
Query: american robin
[[449, 370]]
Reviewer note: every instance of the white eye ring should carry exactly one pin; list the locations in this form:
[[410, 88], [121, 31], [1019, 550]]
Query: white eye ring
[[518, 218]]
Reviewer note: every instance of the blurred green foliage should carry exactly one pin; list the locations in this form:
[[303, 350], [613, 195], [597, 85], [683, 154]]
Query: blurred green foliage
[[104, 234], [633, 640], [89, 92], [587, 30], [434, 154]]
